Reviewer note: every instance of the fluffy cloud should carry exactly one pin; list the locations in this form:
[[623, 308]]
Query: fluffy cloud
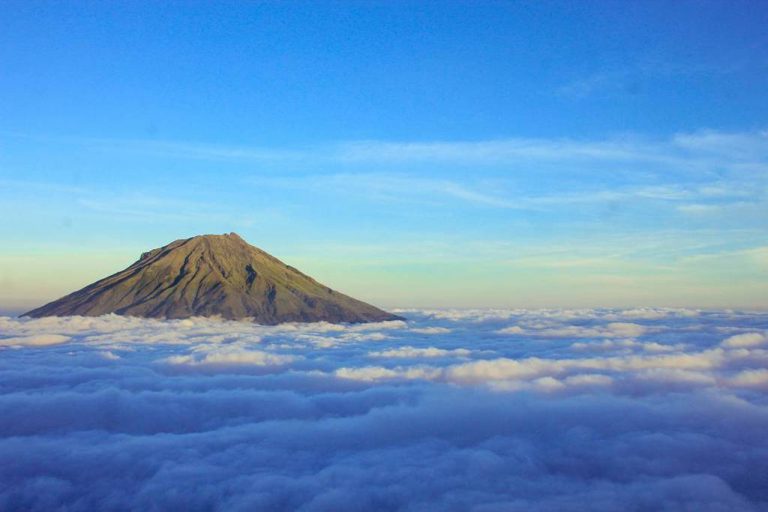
[[648, 410], [373, 373], [414, 352], [752, 339], [431, 330], [626, 344], [230, 357], [610, 330], [35, 340], [512, 329], [652, 313], [751, 378]]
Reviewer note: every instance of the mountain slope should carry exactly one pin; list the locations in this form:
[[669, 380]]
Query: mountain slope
[[213, 275]]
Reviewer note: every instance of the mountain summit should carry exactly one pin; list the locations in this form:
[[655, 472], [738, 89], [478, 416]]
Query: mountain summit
[[213, 275]]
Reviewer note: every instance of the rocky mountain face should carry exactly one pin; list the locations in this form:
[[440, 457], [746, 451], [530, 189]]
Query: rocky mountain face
[[212, 275]]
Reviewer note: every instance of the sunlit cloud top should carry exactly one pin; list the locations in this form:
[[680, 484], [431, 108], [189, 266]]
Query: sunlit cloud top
[[625, 409]]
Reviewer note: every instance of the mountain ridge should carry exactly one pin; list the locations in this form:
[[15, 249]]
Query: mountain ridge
[[213, 275]]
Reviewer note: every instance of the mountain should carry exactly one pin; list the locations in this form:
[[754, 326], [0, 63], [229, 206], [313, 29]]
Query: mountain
[[213, 275]]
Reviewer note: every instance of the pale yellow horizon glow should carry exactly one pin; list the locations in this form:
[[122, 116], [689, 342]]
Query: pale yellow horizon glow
[[735, 280]]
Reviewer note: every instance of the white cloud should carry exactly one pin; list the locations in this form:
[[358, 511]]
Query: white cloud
[[588, 379], [751, 378], [505, 369], [610, 330], [237, 353], [463, 315], [431, 330], [625, 344], [513, 329], [238, 416], [231, 357], [374, 373], [35, 340], [653, 313], [413, 352], [752, 339]]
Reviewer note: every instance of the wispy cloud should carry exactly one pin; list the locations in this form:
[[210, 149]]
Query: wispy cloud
[[502, 193], [685, 151], [495, 151], [173, 149], [397, 187], [621, 211], [705, 147], [633, 79]]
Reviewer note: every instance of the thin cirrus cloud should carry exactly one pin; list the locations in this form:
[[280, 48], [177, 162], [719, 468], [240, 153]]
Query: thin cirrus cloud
[[701, 177], [679, 163], [648, 407], [694, 150], [705, 176], [696, 173], [688, 150]]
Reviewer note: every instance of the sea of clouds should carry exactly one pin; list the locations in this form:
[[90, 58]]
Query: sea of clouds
[[483, 410]]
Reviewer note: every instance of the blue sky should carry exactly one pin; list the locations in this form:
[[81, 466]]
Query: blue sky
[[524, 154]]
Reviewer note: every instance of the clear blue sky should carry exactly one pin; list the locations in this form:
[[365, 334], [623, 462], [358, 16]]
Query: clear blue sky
[[409, 153]]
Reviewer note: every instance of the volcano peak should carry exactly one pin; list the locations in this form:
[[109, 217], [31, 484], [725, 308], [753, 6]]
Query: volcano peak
[[213, 275]]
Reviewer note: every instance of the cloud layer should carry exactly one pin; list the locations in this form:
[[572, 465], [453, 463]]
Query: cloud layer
[[485, 410]]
